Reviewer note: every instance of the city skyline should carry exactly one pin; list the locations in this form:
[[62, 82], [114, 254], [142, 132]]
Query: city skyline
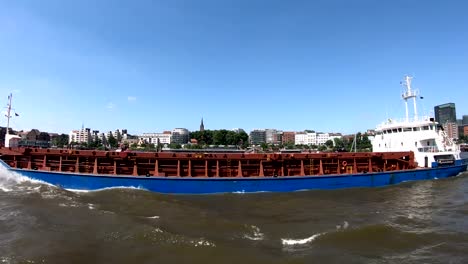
[[153, 66]]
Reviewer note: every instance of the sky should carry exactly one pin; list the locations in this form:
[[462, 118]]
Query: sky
[[150, 66]]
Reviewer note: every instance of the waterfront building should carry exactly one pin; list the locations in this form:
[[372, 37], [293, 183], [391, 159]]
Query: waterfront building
[[305, 138], [131, 141], [95, 135], [451, 128], [103, 138], [288, 137], [445, 113], [461, 130], [152, 138], [180, 136], [80, 136], [313, 138], [257, 136], [273, 136], [322, 138]]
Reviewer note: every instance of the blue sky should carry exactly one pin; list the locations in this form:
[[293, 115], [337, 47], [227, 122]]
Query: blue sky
[[149, 66]]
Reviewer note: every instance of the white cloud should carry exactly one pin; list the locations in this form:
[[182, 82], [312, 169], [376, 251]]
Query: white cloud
[[131, 98], [110, 106]]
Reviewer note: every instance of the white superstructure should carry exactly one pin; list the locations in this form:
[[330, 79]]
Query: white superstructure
[[422, 135]]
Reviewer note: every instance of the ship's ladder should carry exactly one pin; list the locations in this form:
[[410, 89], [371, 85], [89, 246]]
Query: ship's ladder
[[311, 167], [228, 167]]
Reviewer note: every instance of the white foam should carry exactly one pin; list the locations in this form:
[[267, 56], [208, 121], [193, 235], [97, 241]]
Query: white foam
[[77, 190], [5, 189], [158, 230], [107, 188], [292, 242], [344, 226], [11, 181], [153, 217], [203, 243], [256, 234], [69, 205]]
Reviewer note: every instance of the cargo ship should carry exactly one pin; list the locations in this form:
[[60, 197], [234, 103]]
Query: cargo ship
[[414, 149]]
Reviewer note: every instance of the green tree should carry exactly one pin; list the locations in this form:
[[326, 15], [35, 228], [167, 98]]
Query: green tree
[[329, 144], [175, 146], [43, 136], [264, 146], [134, 146], [462, 139], [219, 137], [119, 137], [322, 148], [150, 147], [96, 143], [243, 139], [60, 141], [289, 145], [339, 144], [195, 146], [112, 141], [366, 144]]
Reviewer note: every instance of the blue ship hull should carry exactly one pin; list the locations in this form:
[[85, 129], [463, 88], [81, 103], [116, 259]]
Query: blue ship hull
[[188, 185]]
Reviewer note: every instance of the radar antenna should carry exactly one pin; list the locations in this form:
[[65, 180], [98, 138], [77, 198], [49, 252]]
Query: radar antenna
[[407, 94]]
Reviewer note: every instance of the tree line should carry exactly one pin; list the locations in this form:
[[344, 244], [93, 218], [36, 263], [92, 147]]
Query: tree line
[[221, 137]]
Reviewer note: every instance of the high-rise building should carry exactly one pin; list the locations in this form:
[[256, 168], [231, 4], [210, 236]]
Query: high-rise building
[[451, 129], [445, 113], [80, 136], [465, 120]]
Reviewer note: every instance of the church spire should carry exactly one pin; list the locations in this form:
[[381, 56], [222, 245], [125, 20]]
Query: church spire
[[202, 126]]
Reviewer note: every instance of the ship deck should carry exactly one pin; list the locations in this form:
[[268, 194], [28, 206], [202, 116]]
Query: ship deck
[[198, 164]]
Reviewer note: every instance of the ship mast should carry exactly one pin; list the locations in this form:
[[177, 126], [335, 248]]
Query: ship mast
[[8, 114], [408, 93]]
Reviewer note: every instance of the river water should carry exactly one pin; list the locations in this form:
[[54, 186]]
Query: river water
[[414, 222]]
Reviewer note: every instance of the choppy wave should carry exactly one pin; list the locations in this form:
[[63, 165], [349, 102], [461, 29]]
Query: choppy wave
[[301, 241], [423, 222]]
